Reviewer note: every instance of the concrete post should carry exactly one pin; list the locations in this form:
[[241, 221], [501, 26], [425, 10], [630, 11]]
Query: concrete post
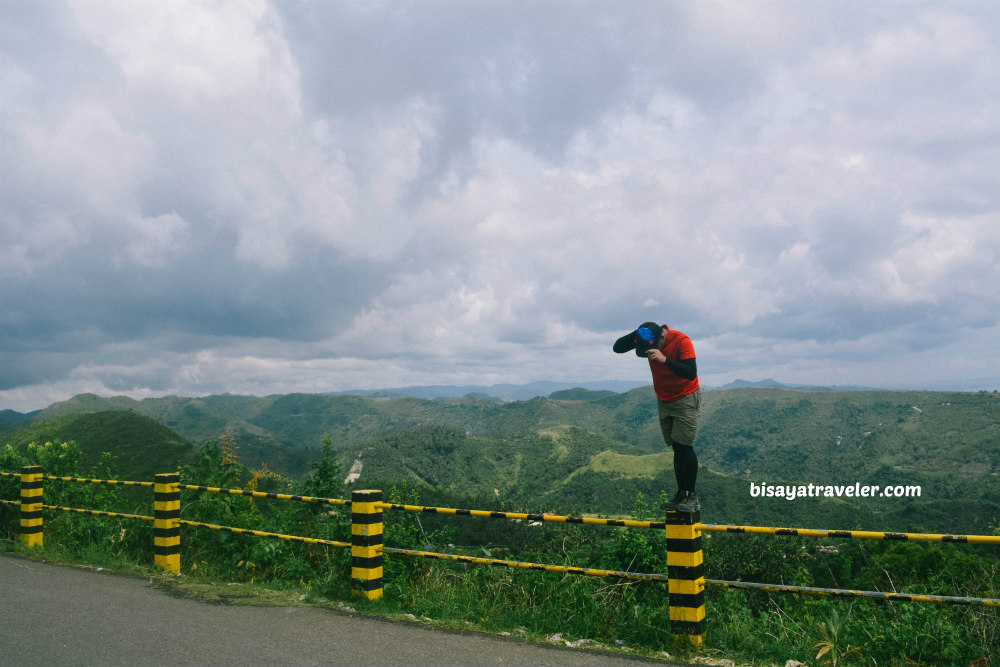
[[686, 575], [166, 528], [366, 544], [31, 506]]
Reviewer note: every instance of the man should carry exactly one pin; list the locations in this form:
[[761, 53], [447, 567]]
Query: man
[[675, 380]]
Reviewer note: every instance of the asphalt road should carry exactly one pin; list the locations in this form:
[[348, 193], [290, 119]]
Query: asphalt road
[[53, 615]]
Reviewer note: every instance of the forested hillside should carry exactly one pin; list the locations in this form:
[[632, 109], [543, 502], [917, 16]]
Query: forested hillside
[[592, 451], [141, 446]]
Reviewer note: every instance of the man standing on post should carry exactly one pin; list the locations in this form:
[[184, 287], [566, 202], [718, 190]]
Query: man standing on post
[[675, 380]]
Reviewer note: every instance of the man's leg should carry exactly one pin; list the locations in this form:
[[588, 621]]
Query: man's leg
[[666, 428], [679, 425], [685, 467]]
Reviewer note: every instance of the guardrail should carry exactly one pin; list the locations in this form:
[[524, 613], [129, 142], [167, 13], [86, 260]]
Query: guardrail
[[685, 574]]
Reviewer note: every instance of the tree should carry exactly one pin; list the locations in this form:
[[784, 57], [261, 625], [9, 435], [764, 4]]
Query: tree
[[324, 479]]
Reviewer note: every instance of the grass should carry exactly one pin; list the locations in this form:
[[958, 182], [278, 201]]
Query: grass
[[647, 465]]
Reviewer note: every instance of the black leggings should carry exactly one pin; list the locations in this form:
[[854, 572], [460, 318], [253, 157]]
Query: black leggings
[[685, 467]]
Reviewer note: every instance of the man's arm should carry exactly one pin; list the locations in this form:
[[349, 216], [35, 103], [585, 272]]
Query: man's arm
[[686, 368], [625, 343]]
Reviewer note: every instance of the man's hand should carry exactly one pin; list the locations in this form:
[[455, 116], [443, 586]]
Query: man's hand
[[655, 355]]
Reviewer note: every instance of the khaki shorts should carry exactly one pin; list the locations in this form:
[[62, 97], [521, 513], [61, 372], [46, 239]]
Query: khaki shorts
[[679, 419]]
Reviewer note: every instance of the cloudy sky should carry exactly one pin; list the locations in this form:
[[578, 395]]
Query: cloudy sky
[[264, 197]]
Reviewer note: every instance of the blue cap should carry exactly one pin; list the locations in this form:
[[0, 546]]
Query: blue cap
[[646, 336]]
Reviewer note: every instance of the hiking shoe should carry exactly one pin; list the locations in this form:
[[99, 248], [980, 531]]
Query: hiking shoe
[[671, 505], [689, 504]]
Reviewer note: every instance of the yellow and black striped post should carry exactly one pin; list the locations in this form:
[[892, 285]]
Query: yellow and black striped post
[[686, 576], [166, 528], [366, 544], [31, 506]]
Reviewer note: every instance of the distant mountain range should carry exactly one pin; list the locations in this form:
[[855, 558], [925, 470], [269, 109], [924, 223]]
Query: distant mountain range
[[583, 449], [744, 384], [503, 392], [10, 419], [524, 392]]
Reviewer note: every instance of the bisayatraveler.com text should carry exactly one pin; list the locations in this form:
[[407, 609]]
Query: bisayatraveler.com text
[[856, 490]]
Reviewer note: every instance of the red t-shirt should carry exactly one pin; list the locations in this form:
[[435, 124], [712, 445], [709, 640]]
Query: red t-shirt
[[668, 385]]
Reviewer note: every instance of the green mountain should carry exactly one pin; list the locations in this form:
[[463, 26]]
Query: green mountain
[[595, 450], [142, 446], [11, 420]]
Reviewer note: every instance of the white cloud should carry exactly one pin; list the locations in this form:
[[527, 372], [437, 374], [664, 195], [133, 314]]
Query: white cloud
[[187, 53], [923, 45], [86, 155], [940, 258]]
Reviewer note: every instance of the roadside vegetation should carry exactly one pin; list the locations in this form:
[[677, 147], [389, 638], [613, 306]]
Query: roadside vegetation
[[747, 627]]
